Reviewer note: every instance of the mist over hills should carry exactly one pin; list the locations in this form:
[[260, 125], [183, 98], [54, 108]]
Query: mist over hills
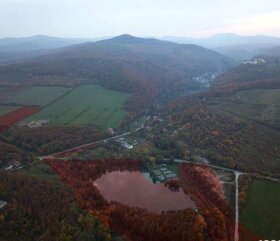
[[39, 42], [273, 51], [13, 50], [234, 46], [226, 39]]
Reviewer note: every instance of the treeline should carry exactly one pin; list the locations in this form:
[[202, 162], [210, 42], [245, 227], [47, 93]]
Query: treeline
[[47, 140], [10, 153], [171, 225], [138, 224], [44, 211], [80, 175], [209, 194]]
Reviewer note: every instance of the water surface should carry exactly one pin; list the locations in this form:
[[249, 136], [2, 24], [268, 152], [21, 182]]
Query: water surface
[[133, 189]]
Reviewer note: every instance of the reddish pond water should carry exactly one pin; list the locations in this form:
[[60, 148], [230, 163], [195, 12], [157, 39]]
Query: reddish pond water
[[131, 188]]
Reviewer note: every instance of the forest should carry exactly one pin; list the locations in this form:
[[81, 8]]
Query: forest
[[203, 129], [214, 222], [40, 210]]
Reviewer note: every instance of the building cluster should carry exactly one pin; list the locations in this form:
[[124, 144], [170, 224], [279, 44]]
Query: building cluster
[[125, 144], [163, 173], [255, 61], [14, 165]]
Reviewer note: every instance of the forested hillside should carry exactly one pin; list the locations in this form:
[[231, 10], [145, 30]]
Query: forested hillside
[[262, 71], [145, 67]]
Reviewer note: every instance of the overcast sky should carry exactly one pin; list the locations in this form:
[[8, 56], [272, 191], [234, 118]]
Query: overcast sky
[[94, 18]]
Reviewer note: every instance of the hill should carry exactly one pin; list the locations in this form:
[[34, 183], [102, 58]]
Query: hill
[[231, 130], [145, 67], [235, 123], [261, 71]]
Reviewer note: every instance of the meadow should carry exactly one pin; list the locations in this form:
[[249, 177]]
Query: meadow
[[39, 95], [86, 105], [262, 212], [258, 96]]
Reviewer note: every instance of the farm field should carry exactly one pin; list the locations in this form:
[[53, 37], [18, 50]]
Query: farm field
[[15, 116], [39, 95], [6, 109], [258, 96], [86, 105], [262, 212], [258, 105]]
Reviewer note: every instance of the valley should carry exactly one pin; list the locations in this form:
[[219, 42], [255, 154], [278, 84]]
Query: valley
[[137, 139]]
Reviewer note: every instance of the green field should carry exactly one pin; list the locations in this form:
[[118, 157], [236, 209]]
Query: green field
[[86, 105], [262, 212], [258, 96], [38, 95]]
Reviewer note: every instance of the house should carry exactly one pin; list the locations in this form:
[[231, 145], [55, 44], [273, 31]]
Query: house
[[126, 145], [255, 61], [38, 123]]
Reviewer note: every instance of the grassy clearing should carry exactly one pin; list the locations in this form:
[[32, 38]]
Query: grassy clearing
[[40, 170], [138, 123], [259, 105], [38, 95], [86, 105], [258, 96], [262, 212]]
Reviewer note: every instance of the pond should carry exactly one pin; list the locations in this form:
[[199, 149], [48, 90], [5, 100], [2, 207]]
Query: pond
[[133, 189]]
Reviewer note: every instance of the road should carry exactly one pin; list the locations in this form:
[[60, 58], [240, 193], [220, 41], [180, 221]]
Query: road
[[236, 174], [236, 230], [91, 143]]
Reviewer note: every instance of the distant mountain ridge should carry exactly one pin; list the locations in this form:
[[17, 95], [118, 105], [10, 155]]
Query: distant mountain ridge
[[14, 50], [39, 42], [234, 46], [226, 39]]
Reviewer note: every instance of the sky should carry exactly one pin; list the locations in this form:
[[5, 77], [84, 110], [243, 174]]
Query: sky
[[96, 18]]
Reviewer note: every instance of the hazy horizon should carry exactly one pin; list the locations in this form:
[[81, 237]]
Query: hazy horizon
[[91, 19], [163, 36]]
